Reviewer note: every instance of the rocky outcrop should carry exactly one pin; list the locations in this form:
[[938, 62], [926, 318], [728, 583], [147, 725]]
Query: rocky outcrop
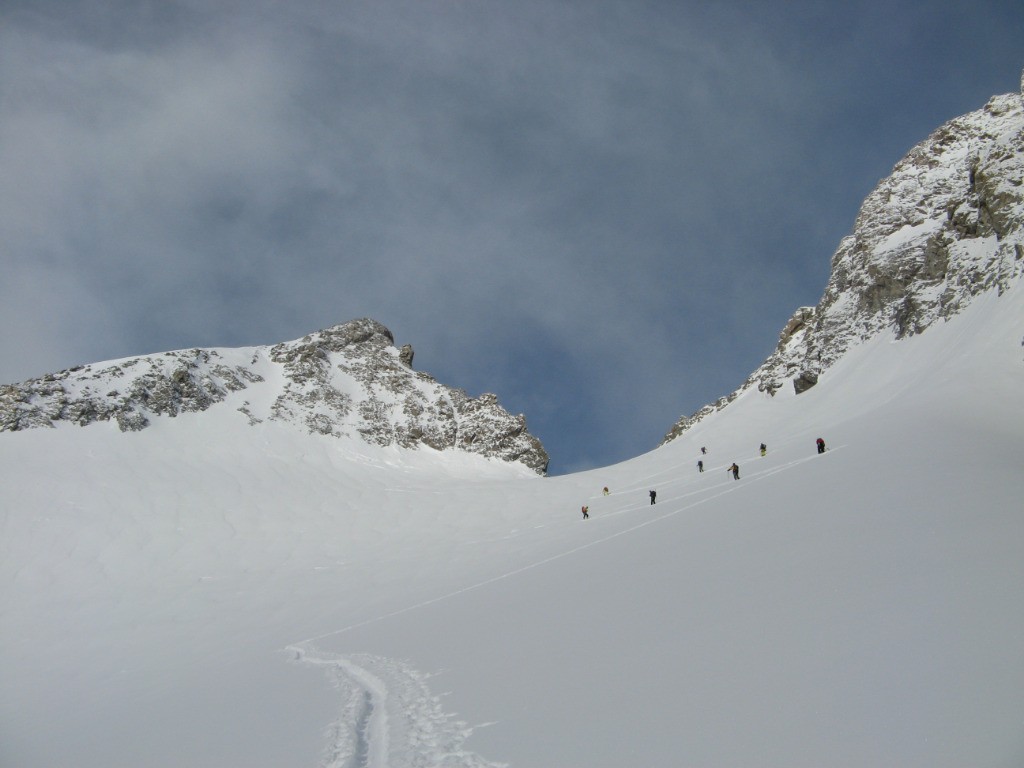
[[946, 225], [348, 380], [128, 392], [405, 354]]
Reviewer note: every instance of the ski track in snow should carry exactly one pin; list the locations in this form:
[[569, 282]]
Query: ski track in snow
[[388, 717]]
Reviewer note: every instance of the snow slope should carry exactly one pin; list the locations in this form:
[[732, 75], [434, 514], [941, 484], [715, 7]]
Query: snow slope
[[197, 594]]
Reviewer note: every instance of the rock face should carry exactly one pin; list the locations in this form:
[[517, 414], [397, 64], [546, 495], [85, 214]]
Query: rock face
[[946, 225], [348, 380]]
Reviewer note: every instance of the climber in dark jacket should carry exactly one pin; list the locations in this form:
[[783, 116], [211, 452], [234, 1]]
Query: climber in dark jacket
[[654, 495], [735, 469]]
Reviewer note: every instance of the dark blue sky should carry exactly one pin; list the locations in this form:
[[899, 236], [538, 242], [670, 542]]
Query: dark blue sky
[[604, 212]]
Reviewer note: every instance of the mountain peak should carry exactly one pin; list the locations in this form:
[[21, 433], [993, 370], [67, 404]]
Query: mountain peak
[[363, 330], [945, 226], [347, 380]]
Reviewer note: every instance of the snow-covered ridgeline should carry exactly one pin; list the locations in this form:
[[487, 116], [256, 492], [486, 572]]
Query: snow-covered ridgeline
[[946, 225], [348, 380]]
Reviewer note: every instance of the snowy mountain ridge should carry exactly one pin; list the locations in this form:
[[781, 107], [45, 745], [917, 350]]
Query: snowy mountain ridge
[[345, 381], [945, 226]]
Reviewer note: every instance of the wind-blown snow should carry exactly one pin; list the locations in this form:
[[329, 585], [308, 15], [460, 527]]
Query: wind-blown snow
[[204, 594]]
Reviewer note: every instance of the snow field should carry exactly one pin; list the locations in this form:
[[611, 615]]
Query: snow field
[[203, 595]]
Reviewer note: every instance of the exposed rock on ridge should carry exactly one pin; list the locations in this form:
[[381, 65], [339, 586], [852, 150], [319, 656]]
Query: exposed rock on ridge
[[945, 226], [348, 380]]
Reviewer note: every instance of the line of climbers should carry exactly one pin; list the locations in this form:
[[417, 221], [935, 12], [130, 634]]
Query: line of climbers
[[734, 468]]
